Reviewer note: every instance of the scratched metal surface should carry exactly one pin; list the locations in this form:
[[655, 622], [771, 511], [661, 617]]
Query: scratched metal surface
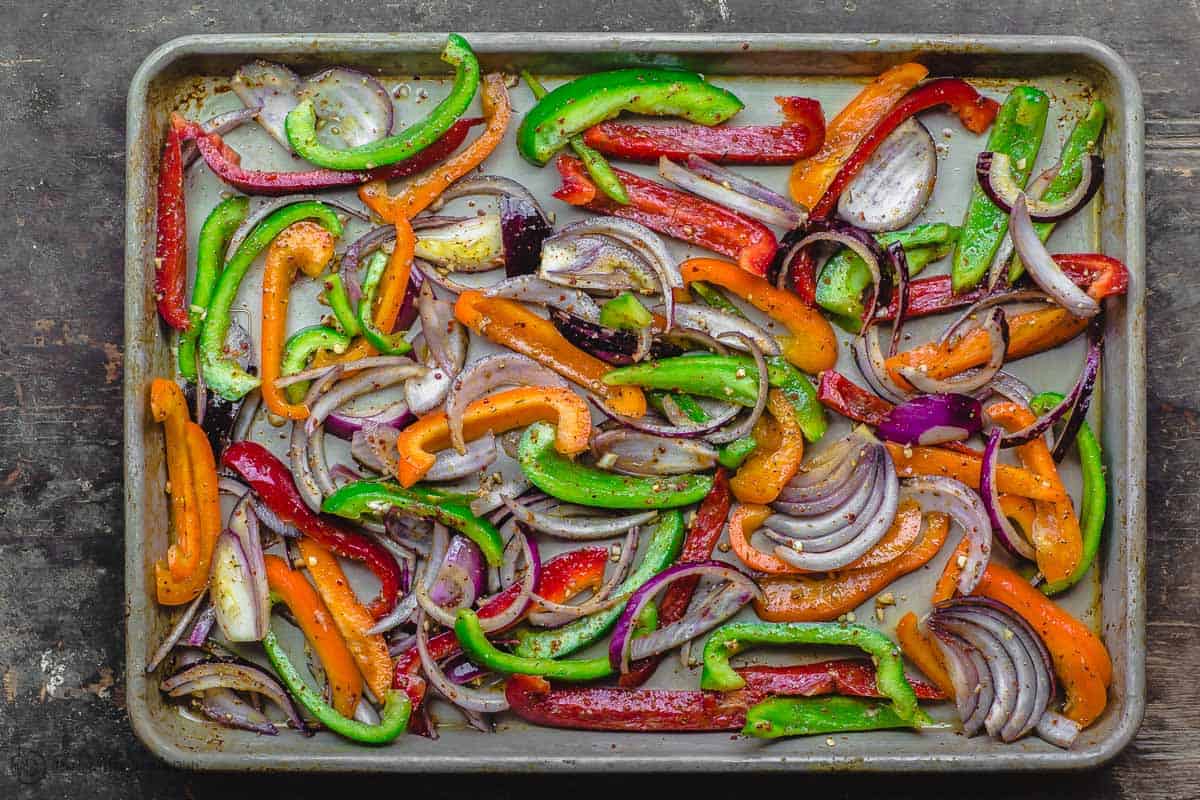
[[63, 726]]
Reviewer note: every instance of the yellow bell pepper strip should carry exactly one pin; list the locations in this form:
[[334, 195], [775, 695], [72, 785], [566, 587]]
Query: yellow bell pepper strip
[[1056, 536], [810, 343], [812, 176], [168, 406], [289, 587], [918, 649], [496, 413], [511, 325], [421, 193], [1080, 659], [306, 246], [965, 465], [351, 618], [780, 450]]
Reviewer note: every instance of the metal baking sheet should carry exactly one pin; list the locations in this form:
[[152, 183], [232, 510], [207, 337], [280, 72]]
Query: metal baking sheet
[[191, 74]]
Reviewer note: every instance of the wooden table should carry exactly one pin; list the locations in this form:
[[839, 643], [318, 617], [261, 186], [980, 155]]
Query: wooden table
[[64, 70]]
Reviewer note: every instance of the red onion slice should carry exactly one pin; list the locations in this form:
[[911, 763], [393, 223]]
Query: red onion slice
[[371, 362], [843, 233], [460, 578], [1041, 266], [427, 392], [437, 326], [228, 710], [532, 289], [364, 382], [964, 675], [575, 528], [173, 638], [241, 677], [932, 419], [721, 192], [523, 228], [636, 453], [868, 358], [1058, 730], [960, 502], [1002, 297], [474, 244], [480, 700], [996, 326], [452, 466], [487, 374], [494, 185], [998, 271], [994, 171], [306, 482], [594, 263], [746, 424], [355, 109], [647, 424], [719, 324], [1009, 537], [750, 188], [833, 496], [233, 591], [1004, 676], [609, 344], [899, 262], [272, 89], [895, 183], [344, 426], [243, 523]]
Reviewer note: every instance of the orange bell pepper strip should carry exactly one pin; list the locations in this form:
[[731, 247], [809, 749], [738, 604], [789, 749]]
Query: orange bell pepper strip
[[512, 325], [1028, 333], [168, 406], [966, 467], [1055, 535], [947, 582], [350, 617], [919, 650], [1020, 510], [1080, 659], [812, 176], [421, 193], [170, 589], [802, 598], [780, 450], [497, 413], [289, 587], [810, 343], [306, 246]]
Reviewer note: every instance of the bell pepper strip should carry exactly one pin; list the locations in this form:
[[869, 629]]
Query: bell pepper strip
[[352, 620], [339, 304], [578, 105], [306, 246], [665, 543], [301, 122], [810, 177], [810, 343], [1028, 333], [802, 598], [173, 590], [837, 392], [563, 577], [1017, 133], [424, 191], [1056, 537], [975, 111], [289, 587], [727, 641], [800, 137], [393, 721], [570, 482], [673, 213], [779, 717], [1080, 659], [496, 413], [918, 649], [170, 248], [511, 325], [354, 500], [702, 535], [1095, 496], [272, 483], [763, 475], [965, 466], [221, 373], [168, 406], [392, 344], [483, 653], [218, 228], [1082, 142], [947, 582], [733, 454], [302, 346]]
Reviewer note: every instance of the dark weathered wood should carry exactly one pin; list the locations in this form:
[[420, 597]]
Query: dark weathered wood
[[64, 68]]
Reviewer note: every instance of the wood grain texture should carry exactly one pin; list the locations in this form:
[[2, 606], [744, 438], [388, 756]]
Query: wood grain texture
[[64, 69]]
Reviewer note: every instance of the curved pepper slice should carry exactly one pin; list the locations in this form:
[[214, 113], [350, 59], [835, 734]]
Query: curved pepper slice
[[303, 345], [512, 325], [811, 177], [170, 247], [918, 649], [810, 343], [775, 461], [557, 475], [301, 123], [483, 653], [215, 234], [966, 466], [172, 590], [392, 344], [168, 406], [496, 413], [778, 717], [576, 106], [289, 587]]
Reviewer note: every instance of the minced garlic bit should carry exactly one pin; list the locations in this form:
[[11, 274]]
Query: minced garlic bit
[[886, 599], [962, 562], [831, 742], [312, 561]]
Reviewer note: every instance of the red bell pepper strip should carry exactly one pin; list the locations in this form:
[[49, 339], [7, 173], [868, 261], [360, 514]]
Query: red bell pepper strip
[[674, 213], [701, 538], [664, 710], [847, 398], [272, 482], [170, 249], [800, 137], [974, 110]]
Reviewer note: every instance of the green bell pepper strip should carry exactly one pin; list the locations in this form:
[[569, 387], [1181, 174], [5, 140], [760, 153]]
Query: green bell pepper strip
[[354, 500], [482, 653], [716, 298], [576, 106], [221, 373], [1017, 132], [778, 717], [389, 344], [685, 402], [732, 454], [733, 379], [392, 722], [1083, 141], [625, 313], [1095, 495], [729, 640], [845, 276], [301, 122], [339, 304], [663, 548], [570, 482], [303, 345], [593, 160], [215, 234]]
